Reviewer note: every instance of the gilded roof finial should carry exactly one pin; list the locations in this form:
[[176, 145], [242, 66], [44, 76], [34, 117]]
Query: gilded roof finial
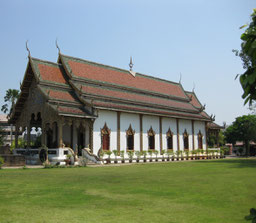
[[130, 64], [194, 86], [57, 46], [27, 48]]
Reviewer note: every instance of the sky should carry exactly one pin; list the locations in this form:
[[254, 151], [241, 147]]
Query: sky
[[166, 38]]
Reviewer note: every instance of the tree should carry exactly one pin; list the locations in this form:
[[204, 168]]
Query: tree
[[10, 98], [2, 136], [242, 129], [248, 57]]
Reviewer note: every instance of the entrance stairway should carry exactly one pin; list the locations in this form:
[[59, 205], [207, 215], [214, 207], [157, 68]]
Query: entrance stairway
[[90, 157]]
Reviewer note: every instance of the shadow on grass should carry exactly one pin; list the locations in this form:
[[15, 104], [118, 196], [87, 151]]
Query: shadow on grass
[[238, 163]]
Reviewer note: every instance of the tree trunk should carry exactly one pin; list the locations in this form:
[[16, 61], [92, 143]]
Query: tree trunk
[[247, 147]]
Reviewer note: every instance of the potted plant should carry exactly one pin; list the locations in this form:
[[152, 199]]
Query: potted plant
[[115, 152], [207, 154], [170, 154], [144, 153], [178, 155], [156, 153], [162, 153], [182, 155], [122, 155], [187, 154], [130, 154], [150, 152], [68, 159], [108, 153], [138, 154]]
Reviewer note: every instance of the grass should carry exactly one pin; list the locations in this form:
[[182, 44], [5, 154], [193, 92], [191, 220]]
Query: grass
[[198, 191]]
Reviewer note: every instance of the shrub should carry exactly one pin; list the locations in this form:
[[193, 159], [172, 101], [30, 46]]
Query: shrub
[[122, 154], [1, 162], [150, 152], [138, 154], [156, 153], [108, 152], [130, 154], [115, 152]]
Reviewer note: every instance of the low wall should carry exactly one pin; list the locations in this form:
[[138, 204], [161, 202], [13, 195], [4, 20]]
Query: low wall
[[13, 160]]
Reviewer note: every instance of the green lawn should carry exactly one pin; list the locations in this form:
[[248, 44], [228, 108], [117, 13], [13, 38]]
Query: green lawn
[[200, 191]]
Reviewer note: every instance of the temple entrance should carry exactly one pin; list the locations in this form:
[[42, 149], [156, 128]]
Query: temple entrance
[[80, 140]]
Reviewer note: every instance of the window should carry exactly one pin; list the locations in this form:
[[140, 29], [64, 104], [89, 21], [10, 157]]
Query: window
[[185, 140], [151, 139], [169, 135], [130, 138], [105, 137], [200, 140]]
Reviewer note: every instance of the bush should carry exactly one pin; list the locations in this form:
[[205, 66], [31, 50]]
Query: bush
[[1, 162], [225, 150]]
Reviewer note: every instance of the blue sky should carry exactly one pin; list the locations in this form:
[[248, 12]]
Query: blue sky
[[165, 38]]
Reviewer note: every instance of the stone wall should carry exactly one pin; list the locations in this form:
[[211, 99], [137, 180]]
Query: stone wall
[[10, 159]]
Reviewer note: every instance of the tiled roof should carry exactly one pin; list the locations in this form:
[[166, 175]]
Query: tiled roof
[[71, 110], [48, 71], [106, 74], [141, 109], [194, 101], [213, 125], [71, 83], [132, 97]]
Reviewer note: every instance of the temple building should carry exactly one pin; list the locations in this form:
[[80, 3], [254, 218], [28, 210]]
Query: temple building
[[82, 104]]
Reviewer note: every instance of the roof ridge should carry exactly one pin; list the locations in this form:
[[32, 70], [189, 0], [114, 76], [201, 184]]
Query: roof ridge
[[46, 61], [124, 70]]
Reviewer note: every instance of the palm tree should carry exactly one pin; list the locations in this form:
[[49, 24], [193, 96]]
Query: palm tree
[[11, 98]]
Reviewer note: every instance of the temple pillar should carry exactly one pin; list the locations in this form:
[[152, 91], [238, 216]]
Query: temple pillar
[[28, 135], [87, 136], [193, 136], [60, 135], [91, 136], [43, 134], [16, 136]]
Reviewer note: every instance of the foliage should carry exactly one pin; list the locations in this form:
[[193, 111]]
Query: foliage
[[138, 154], [248, 57], [21, 143], [130, 154], [115, 152], [169, 152], [178, 153], [1, 162], [150, 152], [163, 152], [2, 136], [108, 152], [252, 108], [242, 129], [144, 154], [225, 150], [156, 153], [252, 216], [10, 98], [68, 156], [122, 154]]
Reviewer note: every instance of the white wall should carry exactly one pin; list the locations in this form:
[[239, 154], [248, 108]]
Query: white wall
[[199, 126], [110, 118], [147, 122], [125, 120], [185, 124], [166, 124]]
